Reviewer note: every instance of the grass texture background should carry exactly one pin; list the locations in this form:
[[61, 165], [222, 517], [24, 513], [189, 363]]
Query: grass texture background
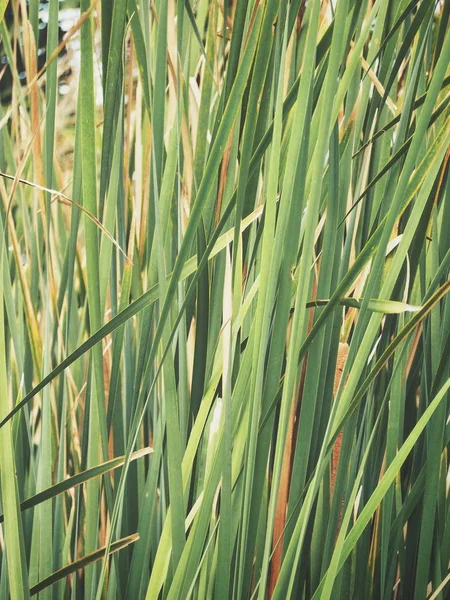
[[224, 310]]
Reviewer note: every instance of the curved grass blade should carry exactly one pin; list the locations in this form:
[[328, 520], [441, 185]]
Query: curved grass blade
[[82, 562], [68, 200], [78, 479]]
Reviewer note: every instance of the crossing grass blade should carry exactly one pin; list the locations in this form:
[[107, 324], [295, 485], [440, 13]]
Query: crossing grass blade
[[78, 479], [81, 563]]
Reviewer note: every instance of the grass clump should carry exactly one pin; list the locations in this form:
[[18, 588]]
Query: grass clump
[[224, 312]]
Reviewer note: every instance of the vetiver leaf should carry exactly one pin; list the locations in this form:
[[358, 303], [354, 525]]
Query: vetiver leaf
[[225, 237]]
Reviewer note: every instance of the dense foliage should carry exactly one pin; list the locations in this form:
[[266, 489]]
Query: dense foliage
[[224, 310]]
